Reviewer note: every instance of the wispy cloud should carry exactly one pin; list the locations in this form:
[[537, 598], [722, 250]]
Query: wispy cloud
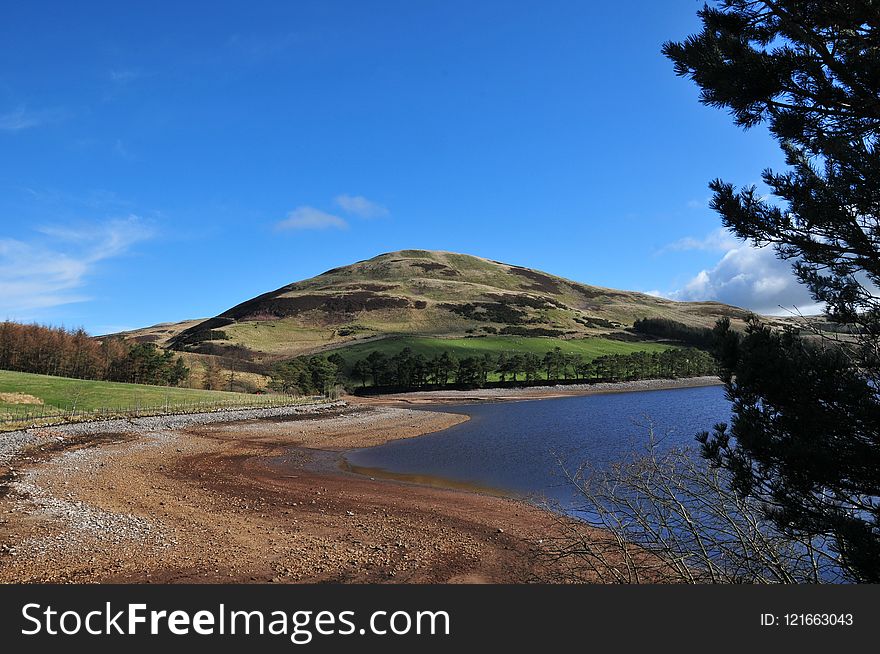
[[120, 150], [125, 75], [20, 119], [310, 218], [720, 240], [54, 268], [358, 205], [307, 217]]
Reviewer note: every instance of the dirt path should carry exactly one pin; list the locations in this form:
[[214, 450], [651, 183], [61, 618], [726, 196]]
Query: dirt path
[[252, 501]]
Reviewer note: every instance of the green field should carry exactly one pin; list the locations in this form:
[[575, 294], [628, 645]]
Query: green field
[[63, 397], [589, 348]]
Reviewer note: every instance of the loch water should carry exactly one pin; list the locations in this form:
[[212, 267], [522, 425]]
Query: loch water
[[522, 448]]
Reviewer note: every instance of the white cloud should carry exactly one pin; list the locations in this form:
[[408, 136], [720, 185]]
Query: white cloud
[[311, 218], [360, 206], [721, 240], [306, 217], [53, 270], [20, 119], [746, 276]]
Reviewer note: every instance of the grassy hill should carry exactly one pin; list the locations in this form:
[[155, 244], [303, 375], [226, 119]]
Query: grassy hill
[[420, 294]]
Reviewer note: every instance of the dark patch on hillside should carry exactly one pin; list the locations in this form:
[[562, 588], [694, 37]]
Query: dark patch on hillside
[[597, 323], [526, 301], [487, 312], [430, 266], [203, 335], [507, 308], [372, 287], [348, 330], [198, 333], [282, 307], [344, 303], [226, 352], [541, 282], [515, 330], [414, 254], [586, 291]]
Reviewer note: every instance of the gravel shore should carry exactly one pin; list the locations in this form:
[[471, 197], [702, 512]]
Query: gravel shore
[[260, 499], [13, 442]]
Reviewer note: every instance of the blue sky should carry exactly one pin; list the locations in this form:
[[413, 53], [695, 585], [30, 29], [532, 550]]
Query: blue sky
[[163, 161]]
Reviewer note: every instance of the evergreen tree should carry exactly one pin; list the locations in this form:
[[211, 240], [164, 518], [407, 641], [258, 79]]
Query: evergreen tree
[[339, 361], [179, 373], [361, 371], [805, 434], [502, 366], [419, 370], [323, 373], [531, 364], [377, 362], [516, 365], [470, 371], [445, 366]]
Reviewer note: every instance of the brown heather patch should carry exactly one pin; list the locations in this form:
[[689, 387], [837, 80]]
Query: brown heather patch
[[19, 398]]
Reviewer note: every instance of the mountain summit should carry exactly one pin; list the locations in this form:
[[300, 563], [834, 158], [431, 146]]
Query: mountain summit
[[428, 293]]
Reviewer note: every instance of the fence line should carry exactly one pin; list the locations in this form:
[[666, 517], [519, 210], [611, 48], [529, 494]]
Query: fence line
[[46, 416]]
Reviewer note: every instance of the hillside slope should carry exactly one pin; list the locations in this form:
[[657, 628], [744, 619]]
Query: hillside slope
[[426, 293]]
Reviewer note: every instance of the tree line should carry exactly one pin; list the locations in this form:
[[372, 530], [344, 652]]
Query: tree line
[[410, 369], [308, 375], [73, 353]]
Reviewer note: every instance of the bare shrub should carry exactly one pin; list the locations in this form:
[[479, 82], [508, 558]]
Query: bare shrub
[[666, 516]]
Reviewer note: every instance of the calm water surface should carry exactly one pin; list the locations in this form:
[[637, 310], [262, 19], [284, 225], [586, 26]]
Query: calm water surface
[[520, 447]]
